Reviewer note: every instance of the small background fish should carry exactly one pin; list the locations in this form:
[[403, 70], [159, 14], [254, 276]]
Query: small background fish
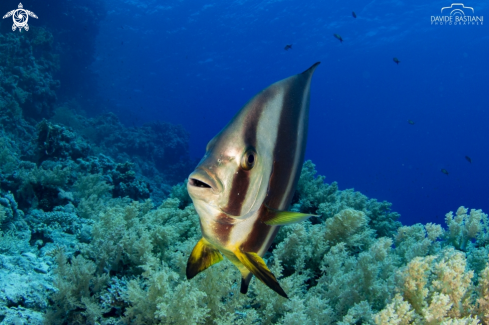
[[338, 37]]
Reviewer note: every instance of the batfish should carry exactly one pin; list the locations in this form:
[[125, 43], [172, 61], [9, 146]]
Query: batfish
[[243, 186]]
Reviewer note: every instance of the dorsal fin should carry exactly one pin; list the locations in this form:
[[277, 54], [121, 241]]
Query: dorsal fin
[[311, 69]]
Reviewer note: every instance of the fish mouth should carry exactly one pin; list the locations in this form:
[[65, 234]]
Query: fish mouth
[[201, 178], [197, 183]]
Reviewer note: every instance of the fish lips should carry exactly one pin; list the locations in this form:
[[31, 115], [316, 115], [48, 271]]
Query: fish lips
[[201, 182]]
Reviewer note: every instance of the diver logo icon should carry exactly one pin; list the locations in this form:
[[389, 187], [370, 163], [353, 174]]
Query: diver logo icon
[[457, 14], [20, 17]]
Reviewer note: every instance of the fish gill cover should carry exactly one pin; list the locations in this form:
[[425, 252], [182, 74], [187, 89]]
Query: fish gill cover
[[104, 106]]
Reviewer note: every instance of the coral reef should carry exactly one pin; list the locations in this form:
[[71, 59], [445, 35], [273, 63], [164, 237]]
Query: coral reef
[[158, 152], [27, 65], [55, 142], [81, 221], [128, 262], [164, 144]]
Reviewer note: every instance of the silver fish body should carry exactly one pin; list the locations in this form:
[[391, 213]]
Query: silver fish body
[[248, 176]]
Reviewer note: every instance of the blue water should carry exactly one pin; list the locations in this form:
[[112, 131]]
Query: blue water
[[196, 63]]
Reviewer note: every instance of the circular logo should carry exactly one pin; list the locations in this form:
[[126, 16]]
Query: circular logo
[[20, 18]]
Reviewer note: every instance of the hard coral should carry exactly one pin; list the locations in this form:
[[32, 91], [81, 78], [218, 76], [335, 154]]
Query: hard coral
[[41, 186], [56, 142], [121, 178], [27, 82], [164, 144], [125, 183]]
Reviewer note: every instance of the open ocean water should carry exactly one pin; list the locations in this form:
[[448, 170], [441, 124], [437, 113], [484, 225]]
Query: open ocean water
[[196, 63]]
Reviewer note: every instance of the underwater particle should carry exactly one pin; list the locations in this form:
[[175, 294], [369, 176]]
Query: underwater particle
[[288, 47], [354, 14], [468, 159], [444, 171], [396, 60], [338, 37], [411, 122]]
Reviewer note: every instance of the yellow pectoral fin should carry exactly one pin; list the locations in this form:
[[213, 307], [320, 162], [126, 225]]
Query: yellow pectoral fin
[[257, 266], [283, 218], [203, 256]]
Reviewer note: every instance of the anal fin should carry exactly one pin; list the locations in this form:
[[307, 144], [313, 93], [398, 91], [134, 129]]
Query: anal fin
[[258, 268], [203, 256]]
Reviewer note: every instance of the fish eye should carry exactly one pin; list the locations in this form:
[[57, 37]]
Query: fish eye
[[248, 160]]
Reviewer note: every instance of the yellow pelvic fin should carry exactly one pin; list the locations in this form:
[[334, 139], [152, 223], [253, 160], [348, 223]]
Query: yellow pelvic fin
[[257, 266], [283, 218], [203, 256]]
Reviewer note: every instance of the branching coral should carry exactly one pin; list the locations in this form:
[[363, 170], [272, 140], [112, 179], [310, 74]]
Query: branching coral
[[418, 240], [164, 299], [349, 226], [482, 304], [438, 289], [348, 280], [463, 227], [78, 291], [92, 192]]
